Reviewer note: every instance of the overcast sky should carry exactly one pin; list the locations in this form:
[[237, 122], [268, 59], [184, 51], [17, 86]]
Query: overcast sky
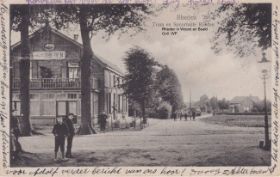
[[190, 55]]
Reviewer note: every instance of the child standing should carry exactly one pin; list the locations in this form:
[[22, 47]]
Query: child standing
[[60, 131]]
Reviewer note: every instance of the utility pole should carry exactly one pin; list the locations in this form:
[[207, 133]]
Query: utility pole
[[266, 132], [190, 99], [266, 64]]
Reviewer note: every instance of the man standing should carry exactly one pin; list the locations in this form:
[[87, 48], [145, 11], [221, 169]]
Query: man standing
[[60, 131], [103, 119], [69, 123]]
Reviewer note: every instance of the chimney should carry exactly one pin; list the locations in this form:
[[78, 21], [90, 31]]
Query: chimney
[[76, 37]]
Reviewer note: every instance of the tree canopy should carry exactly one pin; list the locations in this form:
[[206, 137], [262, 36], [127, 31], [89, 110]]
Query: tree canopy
[[108, 18], [243, 28], [169, 87], [151, 84], [139, 80]]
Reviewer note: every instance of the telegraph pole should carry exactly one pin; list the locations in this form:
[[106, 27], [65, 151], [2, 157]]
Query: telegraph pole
[[266, 132], [190, 99], [264, 62]]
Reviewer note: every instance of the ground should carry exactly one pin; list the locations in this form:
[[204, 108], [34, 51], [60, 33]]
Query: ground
[[240, 120], [162, 143]]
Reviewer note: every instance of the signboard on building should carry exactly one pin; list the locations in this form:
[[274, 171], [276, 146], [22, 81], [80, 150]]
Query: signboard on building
[[48, 55]]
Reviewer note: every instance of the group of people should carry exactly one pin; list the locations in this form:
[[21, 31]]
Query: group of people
[[191, 115], [63, 129]]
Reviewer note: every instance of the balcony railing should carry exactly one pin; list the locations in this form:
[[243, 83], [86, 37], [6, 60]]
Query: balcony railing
[[54, 83]]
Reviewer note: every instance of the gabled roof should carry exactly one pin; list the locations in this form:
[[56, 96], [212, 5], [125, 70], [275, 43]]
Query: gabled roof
[[32, 35], [105, 63], [108, 64]]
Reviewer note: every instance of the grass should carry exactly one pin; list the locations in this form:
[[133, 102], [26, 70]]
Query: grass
[[238, 120]]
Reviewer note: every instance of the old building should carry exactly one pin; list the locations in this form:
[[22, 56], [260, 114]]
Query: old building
[[241, 104], [55, 84]]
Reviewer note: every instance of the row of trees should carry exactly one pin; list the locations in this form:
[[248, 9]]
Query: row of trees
[[213, 103], [151, 86], [90, 19], [223, 105]]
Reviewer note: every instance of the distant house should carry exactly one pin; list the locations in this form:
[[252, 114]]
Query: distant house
[[241, 104], [55, 79]]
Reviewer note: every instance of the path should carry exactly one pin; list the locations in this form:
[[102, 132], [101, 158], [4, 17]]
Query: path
[[164, 142]]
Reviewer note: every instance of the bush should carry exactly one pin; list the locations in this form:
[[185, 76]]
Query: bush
[[164, 110]]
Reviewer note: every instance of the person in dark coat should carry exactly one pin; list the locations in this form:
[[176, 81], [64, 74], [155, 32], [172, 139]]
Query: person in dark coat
[[69, 123], [174, 116], [193, 114], [15, 127], [103, 120], [181, 115], [186, 116], [15, 133], [60, 131]]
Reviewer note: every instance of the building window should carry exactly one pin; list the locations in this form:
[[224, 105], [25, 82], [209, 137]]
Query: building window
[[95, 104], [73, 71], [72, 107], [72, 96], [113, 81], [109, 102], [30, 70], [61, 108], [120, 81], [46, 72], [34, 96], [15, 96], [120, 103], [115, 106], [16, 108], [48, 108], [48, 96], [34, 108], [61, 96]]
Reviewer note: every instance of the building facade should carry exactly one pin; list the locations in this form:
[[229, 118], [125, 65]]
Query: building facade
[[55, 79], [242, 104]]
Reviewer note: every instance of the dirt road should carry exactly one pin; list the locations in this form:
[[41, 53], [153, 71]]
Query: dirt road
[[163, 143]]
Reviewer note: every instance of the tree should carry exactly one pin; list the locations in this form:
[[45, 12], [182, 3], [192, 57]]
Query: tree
[[169, 88], [24, 18], [24, 66], [243, 28], [108, 18], [204, 103], [213, 103], [139, 81], [203, 99], [20, 16], [223, 104], [259, 106]]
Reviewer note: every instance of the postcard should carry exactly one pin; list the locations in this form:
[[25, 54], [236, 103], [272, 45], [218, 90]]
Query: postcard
[[139, 88]]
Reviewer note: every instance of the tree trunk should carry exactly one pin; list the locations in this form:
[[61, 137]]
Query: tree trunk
[[86, 123], [144, 112], [24, 66]]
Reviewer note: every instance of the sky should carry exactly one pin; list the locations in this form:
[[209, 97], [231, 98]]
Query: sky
[[189, 54]]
